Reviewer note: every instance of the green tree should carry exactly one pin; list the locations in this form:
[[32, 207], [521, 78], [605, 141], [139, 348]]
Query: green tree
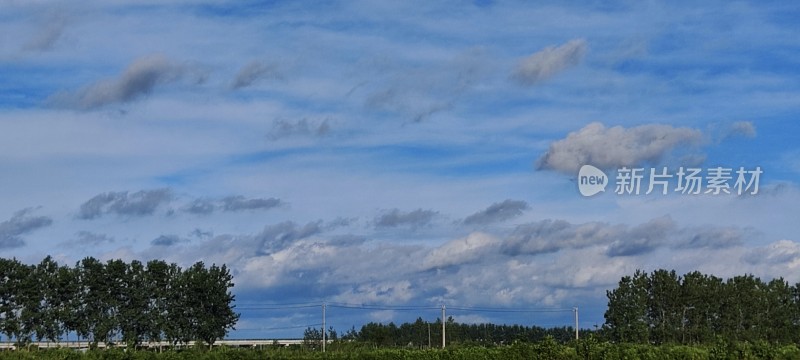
[[159, 278], [10, 283], [96, 305], [29, 300], [134, 305], [66, 299], [779, 321], [626, 315], [210, 301], [45, 279], [700, 298], [741, 307], [664, 308]]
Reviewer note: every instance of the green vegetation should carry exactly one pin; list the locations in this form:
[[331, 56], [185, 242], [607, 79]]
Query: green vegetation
[[115, 302], [421, 334], [548, 348], [663, 308]]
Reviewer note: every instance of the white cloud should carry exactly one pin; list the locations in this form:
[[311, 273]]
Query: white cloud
[[459, 251], [253, 72], [548, 62], [497, 212], [23, 222], [140, 78], [742, 128], [614, 147]]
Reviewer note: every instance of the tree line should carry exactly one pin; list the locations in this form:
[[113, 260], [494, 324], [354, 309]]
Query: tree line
[[662, 307], [422, 334], [115, 301]]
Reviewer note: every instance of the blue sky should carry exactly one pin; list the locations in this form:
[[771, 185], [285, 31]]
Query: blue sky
[[398, 153]]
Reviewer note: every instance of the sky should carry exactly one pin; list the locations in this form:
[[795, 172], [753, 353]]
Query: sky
[[390, 157]]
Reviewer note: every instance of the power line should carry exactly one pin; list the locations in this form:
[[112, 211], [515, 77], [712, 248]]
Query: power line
[[281, 327], [381, 307], [277, 307], [509, 310]]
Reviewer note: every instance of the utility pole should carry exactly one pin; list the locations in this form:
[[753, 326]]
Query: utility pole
[[323, 327], [443, 327], [575, 309], [429, 335]]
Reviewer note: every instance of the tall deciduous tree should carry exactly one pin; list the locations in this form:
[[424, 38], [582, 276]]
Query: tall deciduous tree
[[210, 301], [626, 315]]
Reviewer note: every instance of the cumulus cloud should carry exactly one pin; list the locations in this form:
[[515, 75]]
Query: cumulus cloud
[[779, 252], [21, 223], [616, 146], [253, 72], [497, 212], [478, 269], [546, 63], [303, 127], [413, 219], [140, 78], [140, 203]]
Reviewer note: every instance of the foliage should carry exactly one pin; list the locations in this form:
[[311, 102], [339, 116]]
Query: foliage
[[664, 308], [115, 302], [547, 348]]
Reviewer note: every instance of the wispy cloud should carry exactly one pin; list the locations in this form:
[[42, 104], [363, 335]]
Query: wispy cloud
[[548, 236], [303, 127], [253, 72], [140, 203], [167, 240], [23, 222], [205, 206], [742, 128], [277, 237], [548, 62], [140, 78], [88, 238], [239, 203], [497, 212], [48, 33], [412, 219]]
